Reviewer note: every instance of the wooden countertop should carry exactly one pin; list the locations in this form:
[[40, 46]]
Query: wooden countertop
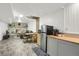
[[66, 38]]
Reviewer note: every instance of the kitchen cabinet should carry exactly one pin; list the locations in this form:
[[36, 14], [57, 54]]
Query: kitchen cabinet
[[58, 47], [52, 46], [67, 48]]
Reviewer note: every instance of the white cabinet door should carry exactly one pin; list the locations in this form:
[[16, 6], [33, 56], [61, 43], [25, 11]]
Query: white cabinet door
[[52, 47], [67, 48]]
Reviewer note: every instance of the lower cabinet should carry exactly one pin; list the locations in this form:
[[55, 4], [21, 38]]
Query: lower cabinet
[[57, 47], [67, 48], [52, 47]]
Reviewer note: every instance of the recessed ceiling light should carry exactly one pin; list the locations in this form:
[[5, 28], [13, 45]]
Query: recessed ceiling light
[[20, 15]]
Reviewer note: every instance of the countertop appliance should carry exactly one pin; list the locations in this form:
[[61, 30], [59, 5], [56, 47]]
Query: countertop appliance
[[45, 30], [55, 32]]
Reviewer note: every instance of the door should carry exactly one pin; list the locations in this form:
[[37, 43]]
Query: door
[[52, 47], [67, 48]]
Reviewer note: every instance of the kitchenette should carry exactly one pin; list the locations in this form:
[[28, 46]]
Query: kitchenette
[[59, 32], [55, 43]]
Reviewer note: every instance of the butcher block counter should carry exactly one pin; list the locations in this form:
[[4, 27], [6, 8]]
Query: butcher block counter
[[66, 38]]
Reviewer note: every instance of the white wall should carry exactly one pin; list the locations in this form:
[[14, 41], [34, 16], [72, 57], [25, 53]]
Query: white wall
[[3, 28], [66, 19], [6, 12], [55, 19], [32, 26], [6, 15], [71, 18]]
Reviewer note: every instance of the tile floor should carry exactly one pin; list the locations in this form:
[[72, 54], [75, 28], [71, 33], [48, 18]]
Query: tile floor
[[16, 47]]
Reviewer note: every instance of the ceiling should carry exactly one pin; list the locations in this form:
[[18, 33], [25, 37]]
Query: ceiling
[[9, 11], [36, 9]]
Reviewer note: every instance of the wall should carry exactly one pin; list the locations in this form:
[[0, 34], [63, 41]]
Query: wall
[[71, 18], [55, 19], [6, 15], [32, 25], [6, 12], [3, 28], [66, 19]]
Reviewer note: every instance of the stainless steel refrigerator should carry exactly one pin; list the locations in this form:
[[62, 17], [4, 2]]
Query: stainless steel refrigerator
[[45, 30]]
